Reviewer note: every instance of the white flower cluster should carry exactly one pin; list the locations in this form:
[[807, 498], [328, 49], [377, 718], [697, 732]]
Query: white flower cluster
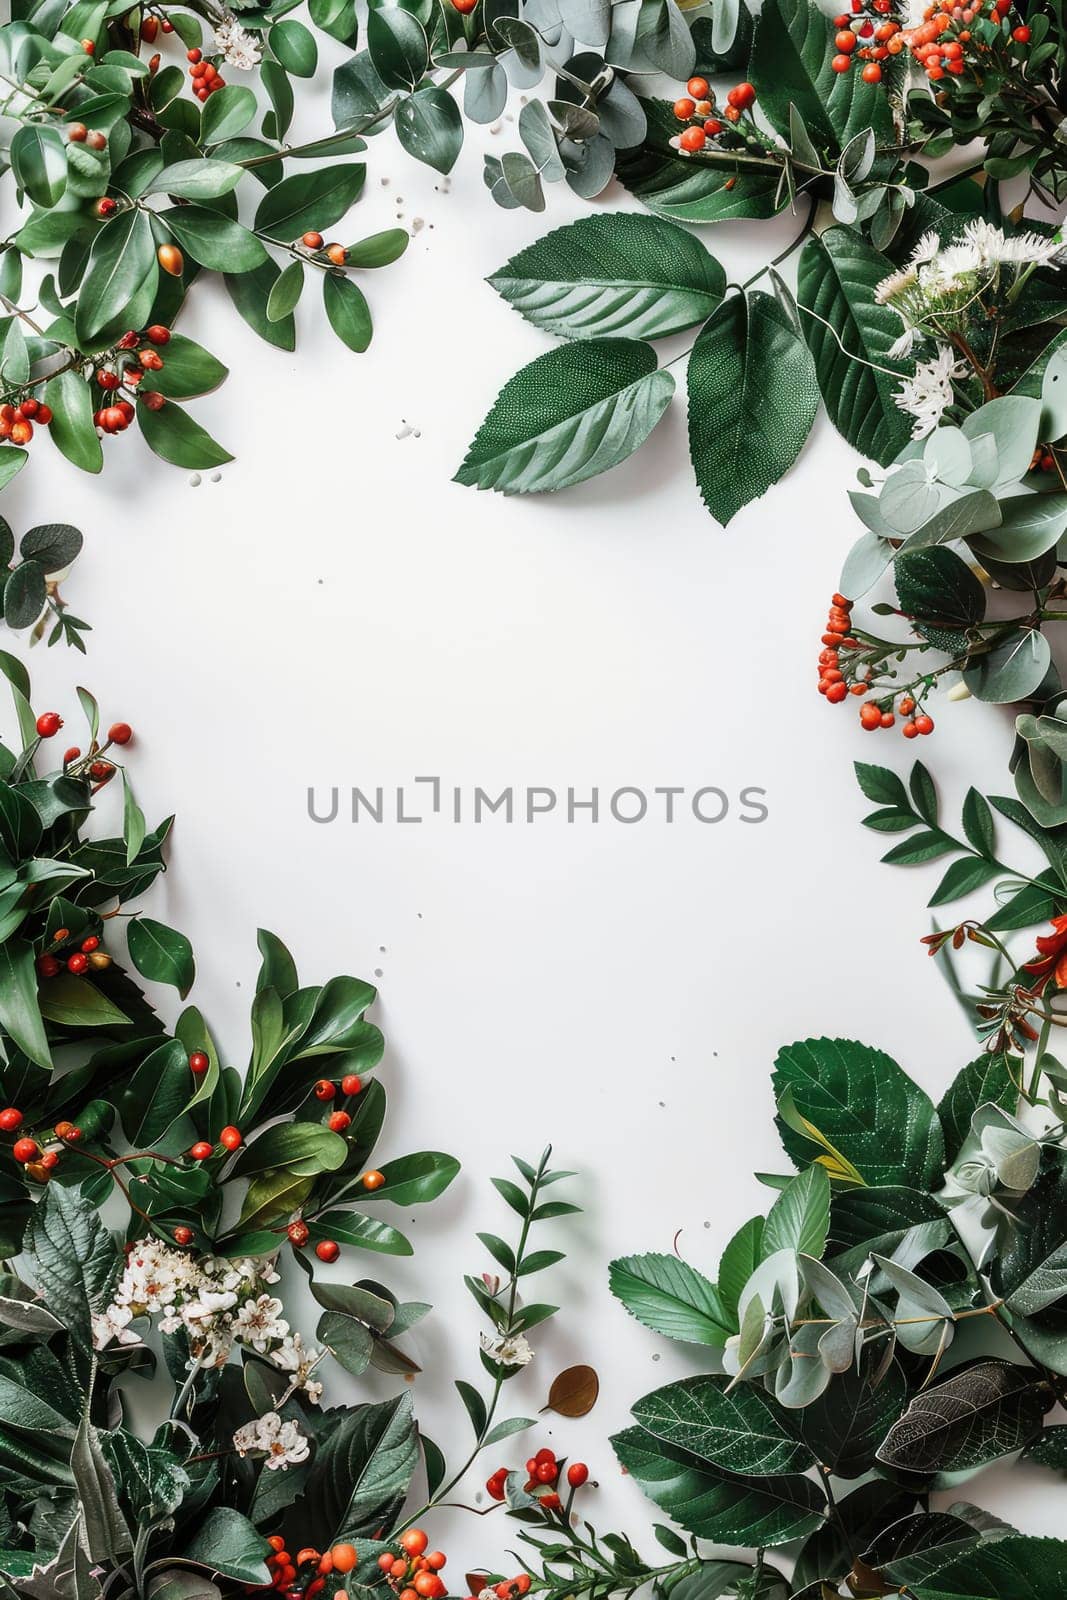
[[282, 1443], [927, 394], [512, 1351], [218, 1303], [940, 282], [240, 48]]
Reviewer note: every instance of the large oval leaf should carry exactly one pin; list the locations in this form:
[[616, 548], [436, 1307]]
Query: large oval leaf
[[694, 188], [310, 200], [850, 336], [570, 414], [631, 275], [752, 402], [121, 262]]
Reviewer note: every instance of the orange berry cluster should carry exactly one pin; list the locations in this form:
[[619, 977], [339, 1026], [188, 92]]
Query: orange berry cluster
[[287, 1578], [696, 107], [37, 1164], [16, 422], [938, 42], [336, 253], [867, 36], [205, 75], [840, 675], [413, 1574]]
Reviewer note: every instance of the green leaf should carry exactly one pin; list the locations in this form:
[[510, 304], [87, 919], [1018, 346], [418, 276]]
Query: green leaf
[[630, 275], [311, 200], [197, 179], [790, 66], [411, 1180], [983, 1411], [430, 128], [226, 113], [739, 1261], [574, 412], [20, 1015], [837, 277], [361, 1474], [715, 1504], [284, 296], [672, 1298], [226, 1542], [398, 48], [347, 310], [25, 595], [161, 954], [379, 249], [752, 402], [800, 1217], [846, 1424], [176, 437], [76, 1261], [215, 241], [76, 1003], [1012, 1568], [305, 1149], [250, 293], [865, 1106], [362, 1233], [739, 1428], [72, 428], [157, 1094], [1012, 670], [103, 1526], [936, 586], [295, 47], [690, 189], [38, 158], [188, 370]]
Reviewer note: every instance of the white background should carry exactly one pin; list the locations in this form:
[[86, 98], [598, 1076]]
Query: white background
[[334, 611]]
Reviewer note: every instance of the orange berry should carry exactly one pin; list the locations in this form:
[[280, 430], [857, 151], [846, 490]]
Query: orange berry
[[692, 139], [684, 108], [372, 1181], [171, 259], [699, 88], [344, 1557], [414, 1541]]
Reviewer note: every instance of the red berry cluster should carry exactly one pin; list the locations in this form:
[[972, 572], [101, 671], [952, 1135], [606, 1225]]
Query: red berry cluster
[[943, 41], [116, 416], [842, 673], [542, 1479], [74, 763], [230, 1138], [413, 1574], [697, 108], [78, 956], [866, 34], [205, 75], [37, 1164], [16, 421], [287, 1578]]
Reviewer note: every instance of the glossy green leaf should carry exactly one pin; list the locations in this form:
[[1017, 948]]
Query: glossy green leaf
[[161, 954], [347, 310], [672, 1298]]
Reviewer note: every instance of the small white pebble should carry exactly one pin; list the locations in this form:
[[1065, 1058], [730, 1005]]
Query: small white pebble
[[496, 127], [404, 431], [216, 477], [386, 182], [417, 223], [195, 480]]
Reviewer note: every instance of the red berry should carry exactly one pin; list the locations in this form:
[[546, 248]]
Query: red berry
[[78, 963], [841, 63], [495, 1485], [872, 73], [577, 1474], [71, 755], [699, 88], [327, 1250], [338, 1121], [194, 55], [547, 1472], [684, 108], [298, 1234], [44, 415], [231, 1137], [25, 1150], [924, 724], [909, 730], [906, 705], [742, 96], [350, 1084], [198, 1063], [343, 1557], [312, 241], [49, 724], [888, 719], [120, 733], [105, 206], [201, 1150], [183, 1235], [50, 1159], [1021, 35], [101, 771], [90, 944], [436, 1559], [153, 400], [692, 139], [67, 1130], [845, 41], [414, 1541], [77, 132], [47, 965], [712, 127], [325, 1090], [10, 1119], [157, 334], [550, 1501], [96, 140], [836, 693], [870, 716]]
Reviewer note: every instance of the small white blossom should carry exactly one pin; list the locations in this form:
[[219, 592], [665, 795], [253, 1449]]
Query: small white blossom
[[259, 1322], [291, 1356], [512, 1351], [239, 47], [282, 1443], [928, 393], [112, 1324]]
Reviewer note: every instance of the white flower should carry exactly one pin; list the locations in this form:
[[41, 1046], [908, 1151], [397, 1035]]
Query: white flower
[[896, 284], [112, 1324], [259, 1322], [513, 1351], [927, 247], [928, 392], [291, 1356], [239, 47], [282, 1443], [1017, 250]]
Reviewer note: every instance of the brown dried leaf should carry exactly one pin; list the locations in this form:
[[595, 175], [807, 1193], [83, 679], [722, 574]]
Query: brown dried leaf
[[574, 1393]]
